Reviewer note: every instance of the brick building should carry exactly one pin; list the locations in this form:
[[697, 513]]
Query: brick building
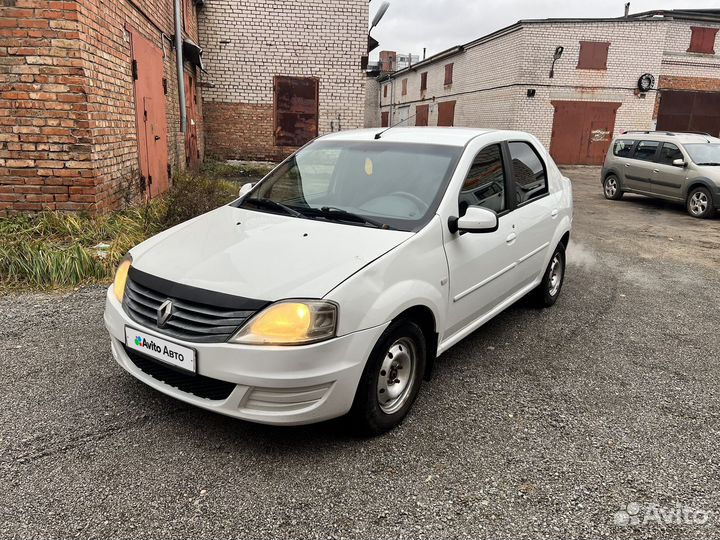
[[89, 106], [574, 83], [281, 73]]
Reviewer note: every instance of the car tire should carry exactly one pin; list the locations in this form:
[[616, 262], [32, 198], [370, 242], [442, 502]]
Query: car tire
[[547, 293], [700, 203], [611, 188], [379, 404]]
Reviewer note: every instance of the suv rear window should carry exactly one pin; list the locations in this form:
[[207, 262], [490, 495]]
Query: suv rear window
[[622, 148], [645, 150]]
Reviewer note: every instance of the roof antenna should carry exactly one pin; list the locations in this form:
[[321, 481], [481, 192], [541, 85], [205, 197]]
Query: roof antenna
[[379, 133]]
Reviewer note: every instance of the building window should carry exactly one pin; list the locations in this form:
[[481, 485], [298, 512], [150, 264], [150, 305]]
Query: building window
[[702, 40], [421, 115], [446, 113], [385, 90], [448, 74], [384, 119], [404, 87], [296, 110], [423, 81], [593, 55]]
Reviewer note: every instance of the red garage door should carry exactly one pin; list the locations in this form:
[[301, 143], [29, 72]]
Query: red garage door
[[582, 131], [689, 111]]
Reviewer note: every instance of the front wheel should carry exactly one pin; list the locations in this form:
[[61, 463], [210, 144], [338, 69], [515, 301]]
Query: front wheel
[[391, 379], [548, 291], [700, 203], [611, 188]]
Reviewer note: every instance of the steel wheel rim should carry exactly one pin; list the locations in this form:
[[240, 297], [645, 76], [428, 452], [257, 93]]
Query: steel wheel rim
[[698, 203], [610, 187], [556, 275], [396, 375]]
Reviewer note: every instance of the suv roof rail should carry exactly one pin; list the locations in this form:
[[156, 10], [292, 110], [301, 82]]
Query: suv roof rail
[[648, 132], [671, 133]]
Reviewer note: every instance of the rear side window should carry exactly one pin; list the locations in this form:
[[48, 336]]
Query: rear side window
[[623, 148], [669, 153], [646, 150], [485, 183], [528, 171]]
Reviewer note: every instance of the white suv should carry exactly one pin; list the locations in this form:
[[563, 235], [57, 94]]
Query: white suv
[[331, 286]]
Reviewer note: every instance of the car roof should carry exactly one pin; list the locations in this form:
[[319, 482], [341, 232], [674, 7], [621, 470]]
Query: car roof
[[448, 136], [669, 136]]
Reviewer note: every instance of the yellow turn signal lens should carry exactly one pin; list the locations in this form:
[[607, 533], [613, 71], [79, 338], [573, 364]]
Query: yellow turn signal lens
[[121, 275], [290, 323]]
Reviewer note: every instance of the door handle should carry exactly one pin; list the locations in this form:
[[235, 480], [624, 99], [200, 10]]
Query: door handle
[[511, 238], [655, 170], [157, 137], [627, 164], [554, 213]]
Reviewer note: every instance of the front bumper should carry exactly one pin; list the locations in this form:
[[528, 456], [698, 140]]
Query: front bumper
[[273, 385]]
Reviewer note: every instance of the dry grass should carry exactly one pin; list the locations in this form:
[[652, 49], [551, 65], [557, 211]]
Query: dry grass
[[58, 250]]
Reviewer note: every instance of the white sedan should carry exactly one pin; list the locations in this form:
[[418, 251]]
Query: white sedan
[[330, 287]]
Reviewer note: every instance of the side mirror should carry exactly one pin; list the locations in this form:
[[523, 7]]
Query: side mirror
[[475, 220], [245, 189], [679, 162]]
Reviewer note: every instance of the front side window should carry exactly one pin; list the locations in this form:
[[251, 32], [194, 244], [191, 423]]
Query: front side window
[[704, 153], [646, 150], [669, 153], [485, 182], [363, 183], [623, 148], [528, 172]]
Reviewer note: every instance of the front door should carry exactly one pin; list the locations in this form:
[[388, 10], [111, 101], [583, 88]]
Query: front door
[[151, 121], [481, 264]]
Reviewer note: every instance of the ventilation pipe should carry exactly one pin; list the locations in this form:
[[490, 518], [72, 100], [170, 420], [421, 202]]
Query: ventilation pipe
[[627, 9], [180, 67]]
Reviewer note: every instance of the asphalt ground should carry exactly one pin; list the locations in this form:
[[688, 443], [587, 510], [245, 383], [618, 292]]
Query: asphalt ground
[[598, 417]]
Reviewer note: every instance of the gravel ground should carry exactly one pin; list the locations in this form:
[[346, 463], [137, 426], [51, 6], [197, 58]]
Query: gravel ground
[[541, 424]]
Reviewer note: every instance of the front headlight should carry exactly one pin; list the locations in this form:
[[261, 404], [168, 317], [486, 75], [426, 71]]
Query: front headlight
[[290, 322], [121, 275]]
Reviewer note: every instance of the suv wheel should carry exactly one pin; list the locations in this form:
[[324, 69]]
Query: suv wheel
[[700, 203], [611, 188], [391, 380]]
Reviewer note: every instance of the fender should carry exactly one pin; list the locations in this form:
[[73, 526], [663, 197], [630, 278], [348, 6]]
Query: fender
[[610, 170], [712, 187]]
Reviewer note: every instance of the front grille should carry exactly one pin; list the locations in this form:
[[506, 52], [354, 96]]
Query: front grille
[[191, 320], [198, 385]]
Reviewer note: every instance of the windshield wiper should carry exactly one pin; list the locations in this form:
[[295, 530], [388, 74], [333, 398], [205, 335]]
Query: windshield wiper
[[274, 205], [709, 163], [338, 214]]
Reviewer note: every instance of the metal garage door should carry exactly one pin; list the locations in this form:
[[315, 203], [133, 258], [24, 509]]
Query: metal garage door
[[582, 131], [689, 111]]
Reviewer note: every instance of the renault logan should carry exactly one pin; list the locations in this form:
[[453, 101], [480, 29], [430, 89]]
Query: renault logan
[[331, 286]]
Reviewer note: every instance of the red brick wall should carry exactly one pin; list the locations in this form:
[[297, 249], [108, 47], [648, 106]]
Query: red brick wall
[[67, 120]]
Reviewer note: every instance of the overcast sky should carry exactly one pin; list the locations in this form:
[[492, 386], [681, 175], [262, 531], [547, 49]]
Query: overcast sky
[[410, 25]]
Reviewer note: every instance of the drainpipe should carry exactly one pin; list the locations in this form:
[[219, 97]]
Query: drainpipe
[[180, 67]]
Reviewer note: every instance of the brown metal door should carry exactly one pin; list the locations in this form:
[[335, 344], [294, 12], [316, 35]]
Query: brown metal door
[[384, 119], [582, 131], [421, 115], [151, 121], [689, 111], [192, 152], [446, 113], [296, 110]]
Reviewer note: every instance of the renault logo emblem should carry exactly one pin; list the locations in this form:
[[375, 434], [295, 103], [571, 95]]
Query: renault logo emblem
[[164, 312]]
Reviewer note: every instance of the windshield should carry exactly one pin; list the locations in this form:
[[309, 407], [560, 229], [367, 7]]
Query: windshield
[[366, 183], [704, 153]]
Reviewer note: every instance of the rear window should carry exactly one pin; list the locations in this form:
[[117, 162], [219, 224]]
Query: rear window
[[645, 150], [622, 148]]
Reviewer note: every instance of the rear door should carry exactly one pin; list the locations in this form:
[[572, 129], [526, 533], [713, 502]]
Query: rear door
[[639, 168], [668, 179]]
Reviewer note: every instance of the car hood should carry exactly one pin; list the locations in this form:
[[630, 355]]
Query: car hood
[[261, 255]]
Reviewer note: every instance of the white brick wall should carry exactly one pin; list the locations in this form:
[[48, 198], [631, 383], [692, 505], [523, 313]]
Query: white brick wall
[[491, 77], [247, 42]]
